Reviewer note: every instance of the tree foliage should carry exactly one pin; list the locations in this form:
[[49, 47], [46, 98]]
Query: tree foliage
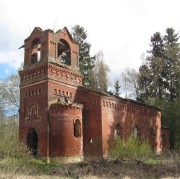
[[9, 94], [159, 76], [86, 61], [117, 88], [159, 80], [98, 75]]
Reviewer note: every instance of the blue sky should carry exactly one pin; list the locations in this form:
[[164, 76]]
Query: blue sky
[[120, 28], [5, 71]]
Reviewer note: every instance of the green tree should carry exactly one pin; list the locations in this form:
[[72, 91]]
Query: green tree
[[159, 76], [117, 88], [98, 75], [86, 61], [157, 45], [159, 80], [151, 73], [172, 56]]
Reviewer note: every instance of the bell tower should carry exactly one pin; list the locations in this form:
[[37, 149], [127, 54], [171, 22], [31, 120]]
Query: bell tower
[[47, 46], [50, 73]]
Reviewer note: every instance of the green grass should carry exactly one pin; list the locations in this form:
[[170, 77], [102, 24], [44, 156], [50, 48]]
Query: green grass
[[153, 161], [44, 166]]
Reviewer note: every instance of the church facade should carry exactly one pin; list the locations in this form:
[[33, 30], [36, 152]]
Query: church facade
[[60, 119]]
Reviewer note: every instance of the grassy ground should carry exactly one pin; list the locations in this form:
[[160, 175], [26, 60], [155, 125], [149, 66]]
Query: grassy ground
[[16, 162], [37, 169]]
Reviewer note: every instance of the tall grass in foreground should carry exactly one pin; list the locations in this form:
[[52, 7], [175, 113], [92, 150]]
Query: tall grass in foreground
[[9, 142], [132, 148], [14, 157]]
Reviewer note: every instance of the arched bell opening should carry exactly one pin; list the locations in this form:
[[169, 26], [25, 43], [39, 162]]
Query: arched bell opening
[[64, 52], [35, 51]]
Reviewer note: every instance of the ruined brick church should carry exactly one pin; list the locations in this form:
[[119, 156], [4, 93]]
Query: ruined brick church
[[61, 119]]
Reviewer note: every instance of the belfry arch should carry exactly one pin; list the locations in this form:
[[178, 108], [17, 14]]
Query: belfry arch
[[64, 52], [35, 51]]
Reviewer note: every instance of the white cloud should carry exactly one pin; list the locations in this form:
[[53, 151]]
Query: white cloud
[[120, 28], [11, 58]]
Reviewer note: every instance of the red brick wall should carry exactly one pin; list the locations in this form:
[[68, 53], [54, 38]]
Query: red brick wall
[[62, 139], [92, 122], [129, 115], [34, 95]]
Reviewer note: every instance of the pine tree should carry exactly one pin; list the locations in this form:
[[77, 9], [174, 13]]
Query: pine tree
[[159, 80], [159, 77], [86, 62], [151, 74], [172, 56], [117, 88]]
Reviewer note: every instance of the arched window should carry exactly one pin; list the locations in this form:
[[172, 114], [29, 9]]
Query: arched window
[[33, 111], [77, 128], [64, 52], [35, 51], [118, 131], [137, 132]]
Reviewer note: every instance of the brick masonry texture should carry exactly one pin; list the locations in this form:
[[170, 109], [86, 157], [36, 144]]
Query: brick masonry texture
[[64, 119]]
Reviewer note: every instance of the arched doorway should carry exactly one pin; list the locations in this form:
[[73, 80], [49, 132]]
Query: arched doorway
[[32, 141]]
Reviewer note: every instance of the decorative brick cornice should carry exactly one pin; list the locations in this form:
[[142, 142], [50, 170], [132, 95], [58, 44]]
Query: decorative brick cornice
[[118, 104], [35, 73], [64, 74], [66, 105], [49, 70]]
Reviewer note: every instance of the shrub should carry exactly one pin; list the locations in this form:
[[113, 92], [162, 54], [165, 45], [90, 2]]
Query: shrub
[[131, 148]]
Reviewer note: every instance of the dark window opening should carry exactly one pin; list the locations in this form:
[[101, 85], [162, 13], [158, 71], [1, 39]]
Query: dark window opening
[[77, 128], [32, 141], [90, 140], [118, 131], [164, 139], [34, 58], [64, 52], [152, 134], [137, 132]]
